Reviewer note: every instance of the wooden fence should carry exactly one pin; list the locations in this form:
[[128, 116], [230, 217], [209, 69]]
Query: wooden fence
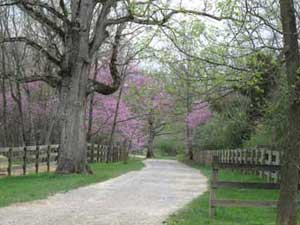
[[260, 161], [34, 157], [240, 158]]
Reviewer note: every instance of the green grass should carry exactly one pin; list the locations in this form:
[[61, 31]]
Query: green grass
[[31, 187], [159, 155], [166, 157], [196, 213]]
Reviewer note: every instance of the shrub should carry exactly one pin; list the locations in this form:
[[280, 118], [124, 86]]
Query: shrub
[[222, 132], [169, 147]]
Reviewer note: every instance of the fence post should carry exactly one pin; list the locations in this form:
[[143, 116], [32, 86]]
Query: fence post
[[98, 153], [48, 157], [107, 153], [117, 153], [58, 153], [37, 159], [126, 153], [25, 160], [215, 171], [10, 155], [120, 154], [111, 153], [92, 153], [112, 158], [102, 155], [102, 158], [114, 153]]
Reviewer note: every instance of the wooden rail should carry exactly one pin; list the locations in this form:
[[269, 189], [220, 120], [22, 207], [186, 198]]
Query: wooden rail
[[262, 161], [21, 158], [217, 164]]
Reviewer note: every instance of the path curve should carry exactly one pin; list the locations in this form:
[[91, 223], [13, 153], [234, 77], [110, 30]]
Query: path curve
[[145, 197]]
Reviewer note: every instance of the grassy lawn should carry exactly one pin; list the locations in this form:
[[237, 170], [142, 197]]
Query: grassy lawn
[[27, 188], [196, 213]]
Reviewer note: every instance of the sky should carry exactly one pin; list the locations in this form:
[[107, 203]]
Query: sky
[[197, 5]]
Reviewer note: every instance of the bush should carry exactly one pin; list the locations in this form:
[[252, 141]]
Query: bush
[[272, 129], [223, 132], [263, 136], [168, 147]]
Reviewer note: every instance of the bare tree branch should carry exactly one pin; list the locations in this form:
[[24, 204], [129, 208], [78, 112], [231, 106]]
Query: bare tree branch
[[53, 81], [95, 86], [100, 33], [35, 46], [172, 12], [36, 13]]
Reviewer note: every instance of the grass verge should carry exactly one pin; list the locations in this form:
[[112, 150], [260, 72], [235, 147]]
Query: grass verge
[[196, 213], [32, 187]]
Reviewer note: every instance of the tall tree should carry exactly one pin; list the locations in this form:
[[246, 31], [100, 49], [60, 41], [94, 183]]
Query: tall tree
[[287, 209]]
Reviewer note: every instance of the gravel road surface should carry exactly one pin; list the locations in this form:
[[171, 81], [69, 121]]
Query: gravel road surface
[[145, 197]]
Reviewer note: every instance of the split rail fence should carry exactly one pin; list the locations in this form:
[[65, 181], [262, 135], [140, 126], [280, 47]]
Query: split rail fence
[[45, 157], [238, 158], [260, 161]]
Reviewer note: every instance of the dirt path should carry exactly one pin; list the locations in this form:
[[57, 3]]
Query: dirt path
[[143, 197]]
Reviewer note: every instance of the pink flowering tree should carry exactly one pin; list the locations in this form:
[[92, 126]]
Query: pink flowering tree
[[111, 116], [104, 109], [149, 98], [199, 115]]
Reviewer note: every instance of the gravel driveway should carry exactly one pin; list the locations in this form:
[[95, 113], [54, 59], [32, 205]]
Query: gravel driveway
[[143, 197]]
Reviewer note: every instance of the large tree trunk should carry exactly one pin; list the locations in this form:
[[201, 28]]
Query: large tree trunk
[[189, 144], [150, 147], [287, 208], [73, 147], [189, 137]]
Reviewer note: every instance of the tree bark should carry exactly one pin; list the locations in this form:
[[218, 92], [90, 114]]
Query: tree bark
[[189, 144], [91, 105], [31, 139], [287, 208], [150, 147], [18, 99], [188, 104], [4, 114], [114, 125], [73, 147], [4, 110]]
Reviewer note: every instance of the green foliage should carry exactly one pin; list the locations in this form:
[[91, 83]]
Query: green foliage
[[263, 135], [168, 147], [229, 127], [254, 116], [259, 83], [32, 187], [271, 130], [222, 132]]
